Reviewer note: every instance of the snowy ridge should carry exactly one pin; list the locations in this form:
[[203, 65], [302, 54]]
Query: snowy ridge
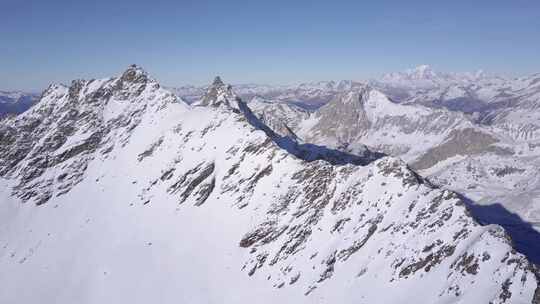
[[471, 132], [368, 117], [209, 204], [308, 95], [501, 167], [64, 130]]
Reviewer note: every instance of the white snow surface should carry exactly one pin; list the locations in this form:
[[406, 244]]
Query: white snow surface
[[182, 204]]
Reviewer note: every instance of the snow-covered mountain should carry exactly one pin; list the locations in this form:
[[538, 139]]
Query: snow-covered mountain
[[115, 190], [516, 110], [15, 102], [506, 111], [476, 92], [309, 95], [492, 158], [424, 76], [501, 113]]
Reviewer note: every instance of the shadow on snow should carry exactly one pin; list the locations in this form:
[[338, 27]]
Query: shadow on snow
[[306, 151], [525, 237]]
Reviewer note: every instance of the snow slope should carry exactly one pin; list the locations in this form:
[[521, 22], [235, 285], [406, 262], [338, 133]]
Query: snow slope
[[476, 133], [491, 156], [143, 198]]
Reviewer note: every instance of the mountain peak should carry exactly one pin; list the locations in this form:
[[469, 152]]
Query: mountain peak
[[421, 72], [217, 81], [134, 73], [219, 94]]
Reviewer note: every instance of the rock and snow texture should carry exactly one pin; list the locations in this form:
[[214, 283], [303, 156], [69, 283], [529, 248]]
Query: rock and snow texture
[[307, 95], [115, 190], [509, 104], [282, 117], [368, 117], [219, 94], [50, 146], [497, 160], [471, 132]]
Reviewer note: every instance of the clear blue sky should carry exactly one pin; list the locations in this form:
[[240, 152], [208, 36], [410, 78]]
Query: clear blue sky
[[271, 41]]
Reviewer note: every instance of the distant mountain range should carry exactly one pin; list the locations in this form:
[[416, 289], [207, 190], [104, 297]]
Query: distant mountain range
[[464, 92], [16, 102]]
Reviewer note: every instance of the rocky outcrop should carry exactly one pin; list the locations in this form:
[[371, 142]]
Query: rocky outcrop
[[460, 142], [66, 128]]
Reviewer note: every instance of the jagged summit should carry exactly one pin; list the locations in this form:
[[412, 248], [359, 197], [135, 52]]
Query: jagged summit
[[137, 77], [219, 94], [134, 73], [88, 111], [217, 81], [134, 80], [358, 98], [129, 85]]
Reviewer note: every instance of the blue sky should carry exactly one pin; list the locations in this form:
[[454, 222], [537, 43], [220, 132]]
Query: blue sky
[[180, 42]]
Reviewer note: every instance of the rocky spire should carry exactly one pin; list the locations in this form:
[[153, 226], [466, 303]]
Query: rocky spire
[[134, 74], [134, 81], [217, 82], [219, 94]]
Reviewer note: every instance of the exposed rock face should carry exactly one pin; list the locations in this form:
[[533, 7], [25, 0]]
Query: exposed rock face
[[211, 200], [460, 142], [455, 150], [219, 94], [344, 118], [67, 127], [366, 232], [368, 117], [281, 117]]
